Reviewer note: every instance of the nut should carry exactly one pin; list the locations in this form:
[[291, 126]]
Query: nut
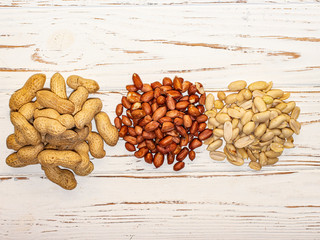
[[192, 155], [187, 121], [166, 141], [295, 126], [137, 81], [48, 125], [182, 105], [195, 143], [63, 177], [148, 158], [89, 109], [96, 145], [58, 85], [202, 118], [147, 97], [227, 131], [218, 156], [260, 104], [125, 102], [214, 145], [158, 160], [178, 166], [255, 166], [174, 94], [146, 88], [130, 147], [209, 102], [167, 127], [141, 152], [177, 83], [75, 81], [133, 97], [27, 92], [205, 134], [138, 114], [259, 85], [237, 85], [182, 154], [159, 113], [166, 81], [49, 99], [199, 87], [30, 134]]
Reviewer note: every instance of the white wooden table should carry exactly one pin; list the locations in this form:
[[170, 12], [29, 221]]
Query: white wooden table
[[199, 40]]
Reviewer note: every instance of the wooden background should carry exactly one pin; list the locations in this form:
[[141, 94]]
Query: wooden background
[[213, 42]]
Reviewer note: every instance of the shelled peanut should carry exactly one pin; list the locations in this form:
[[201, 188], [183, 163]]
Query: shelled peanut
[[55, 130], [156, 120], [255, 122]]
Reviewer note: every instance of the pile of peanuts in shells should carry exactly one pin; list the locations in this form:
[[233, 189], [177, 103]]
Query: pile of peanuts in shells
[[255, 123], [55, 130], [160, 121]]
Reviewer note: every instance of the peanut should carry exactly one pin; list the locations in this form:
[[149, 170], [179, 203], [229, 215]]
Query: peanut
[[89, 109], [51, 100], [67, 159], [27, 92], [13, 161], [85, 167], [66, 138], [28, 109], [63, 177], [28, 154], [66, 120], [20, 138], [107, 131], [12, 143], [48, 125], [58, 85], [209, 102], [259, 85], [30, 134], [95, 142], [237, 85], [78, 97], [75, 81]]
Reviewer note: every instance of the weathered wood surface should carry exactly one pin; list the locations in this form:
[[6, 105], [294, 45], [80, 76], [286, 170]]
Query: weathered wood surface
[[215, 43]]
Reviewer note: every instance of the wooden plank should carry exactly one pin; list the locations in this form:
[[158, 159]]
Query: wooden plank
[[249, 207], [212, 44], [95, 3]]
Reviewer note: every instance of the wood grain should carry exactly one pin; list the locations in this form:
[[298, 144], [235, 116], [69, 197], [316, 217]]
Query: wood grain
[[207, 41]]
